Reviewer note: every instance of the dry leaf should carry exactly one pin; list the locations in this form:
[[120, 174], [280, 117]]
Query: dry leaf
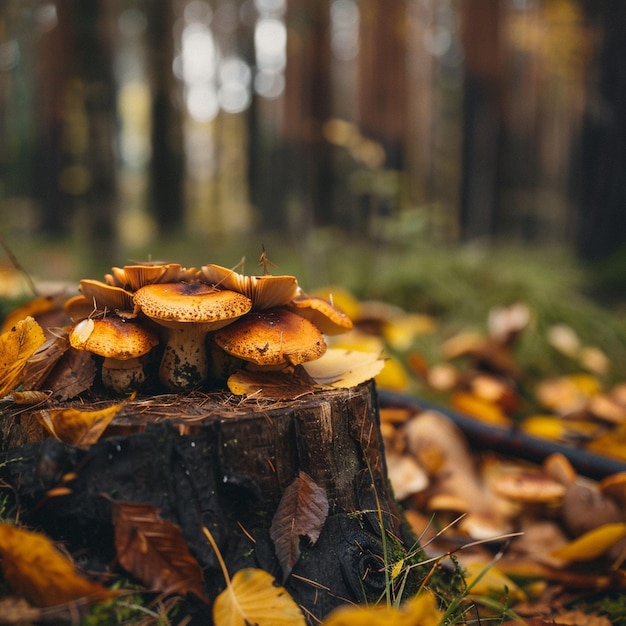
[[36, 570], [301, 512], [78, 428], [420, 610], [154, 550], [592, 544], [339, 368], [480, 409], [17, 345], [275, 385], [252, 597], [485, 579], [39, 366], [73, 373]]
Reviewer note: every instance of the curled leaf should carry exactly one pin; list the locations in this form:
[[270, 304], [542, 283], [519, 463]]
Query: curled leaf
[[592, 544], [253, 598], [78, 428], [35, 569], [17, 345]]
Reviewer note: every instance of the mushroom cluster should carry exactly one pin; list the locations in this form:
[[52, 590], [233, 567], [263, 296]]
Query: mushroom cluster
[[207, 324]]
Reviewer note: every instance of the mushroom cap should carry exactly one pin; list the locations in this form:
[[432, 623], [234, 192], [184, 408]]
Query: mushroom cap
[[136, 276], [272, 337], [112, 337], [527, 487], [106, 296], [328, 318], [176, 304], [266, 292]]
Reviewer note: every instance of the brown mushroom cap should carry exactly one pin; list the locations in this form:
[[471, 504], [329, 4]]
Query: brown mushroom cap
[[272, 337], [328, 318], [266, 292], [176, 304], [106, 296], [527, 487], [112, 337], [136, 276]]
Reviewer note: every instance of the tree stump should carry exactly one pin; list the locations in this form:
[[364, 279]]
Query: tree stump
[[216, 461]]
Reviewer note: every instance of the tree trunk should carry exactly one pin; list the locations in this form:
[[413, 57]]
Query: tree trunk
[[225, 465]]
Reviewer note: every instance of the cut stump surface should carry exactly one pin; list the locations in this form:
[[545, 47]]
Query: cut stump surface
[[214, 461]]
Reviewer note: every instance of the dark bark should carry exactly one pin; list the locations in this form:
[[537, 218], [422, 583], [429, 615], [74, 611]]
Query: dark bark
[[226, 467]]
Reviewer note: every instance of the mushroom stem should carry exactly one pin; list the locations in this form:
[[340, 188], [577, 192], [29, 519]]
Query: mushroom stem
[[122, 376], [184, 364]]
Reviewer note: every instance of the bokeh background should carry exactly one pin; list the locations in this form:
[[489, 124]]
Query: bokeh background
[[351, 138]]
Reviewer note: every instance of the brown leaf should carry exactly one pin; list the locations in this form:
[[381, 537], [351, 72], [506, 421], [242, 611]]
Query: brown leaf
[[41, 363], [302, 511], [17, 345], [36, 570], [275, 385], [78, 428], [74, 373], [154, 550]]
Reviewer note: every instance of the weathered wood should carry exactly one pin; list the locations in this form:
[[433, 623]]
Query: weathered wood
[[225, 464]]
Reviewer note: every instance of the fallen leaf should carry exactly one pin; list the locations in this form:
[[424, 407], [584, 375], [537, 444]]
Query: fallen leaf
[[420, 610], [340, 368], [275, 385], [592, 544], [73, 373], [485, 579], [480, 409], [302, 511], [36, 570], [17, 345], [252, 597], [41, 363], [154, 550], [78, 428]]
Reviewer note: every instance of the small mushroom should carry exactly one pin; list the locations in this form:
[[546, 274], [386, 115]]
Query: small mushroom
[[328, 318], [121, 343], [134, 277], [273, 337], [106, 296], [187, 312], [266, 291]]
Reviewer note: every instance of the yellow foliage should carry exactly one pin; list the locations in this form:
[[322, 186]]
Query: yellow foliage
[[253, 598], [36, 570], [487, 580], [17, 345], [78, 428], [592, 544], [421, 610]]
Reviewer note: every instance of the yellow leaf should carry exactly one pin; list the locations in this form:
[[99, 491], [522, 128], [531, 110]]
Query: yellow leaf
[[400, 333], [344, 368], [485, 579], [78, 428], [17, 345], [482, 410], [420, 610], [592, 544], [546, 426], [253, 598], [392, 376], [36, 570]]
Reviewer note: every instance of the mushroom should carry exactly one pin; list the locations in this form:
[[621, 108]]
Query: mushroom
[[266, 291], [106, 296], [133, 277], [273, 337], [121, 343], [187, 312], [328, 318]]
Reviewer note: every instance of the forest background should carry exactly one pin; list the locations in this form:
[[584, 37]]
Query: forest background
[[199, 131]]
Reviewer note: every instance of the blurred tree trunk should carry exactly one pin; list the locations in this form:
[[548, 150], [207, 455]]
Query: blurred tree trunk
[[167, 162], [76, 162], [306, 162], [602, 227], [482, 118]]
